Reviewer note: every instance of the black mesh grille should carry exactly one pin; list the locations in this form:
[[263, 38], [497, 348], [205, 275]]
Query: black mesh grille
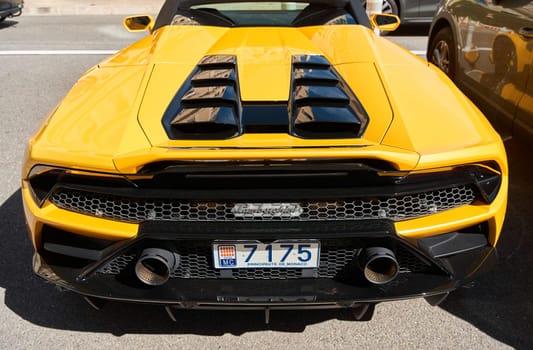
[[139, 210], [118, 264]]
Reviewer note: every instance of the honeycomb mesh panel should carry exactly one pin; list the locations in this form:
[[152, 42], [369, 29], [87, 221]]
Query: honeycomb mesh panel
[[409, 262], [139, 210], [196, 262], [115, 266], [336, 260], [266, 274]]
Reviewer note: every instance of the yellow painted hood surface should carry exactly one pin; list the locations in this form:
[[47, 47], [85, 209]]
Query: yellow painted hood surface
[[264, 57], [111, 119]]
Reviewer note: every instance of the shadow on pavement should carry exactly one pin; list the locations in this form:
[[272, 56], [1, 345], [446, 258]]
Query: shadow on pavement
[[42, 304], [7, 24], [501, 303]]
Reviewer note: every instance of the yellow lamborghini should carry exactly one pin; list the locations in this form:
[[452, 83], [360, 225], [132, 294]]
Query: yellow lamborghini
[[264, 155]]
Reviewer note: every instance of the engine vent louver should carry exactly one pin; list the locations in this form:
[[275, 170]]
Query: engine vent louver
[[208, 105], [321, 104]]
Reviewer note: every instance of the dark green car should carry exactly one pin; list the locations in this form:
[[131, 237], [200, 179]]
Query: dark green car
[[10, 9], [486, 48]]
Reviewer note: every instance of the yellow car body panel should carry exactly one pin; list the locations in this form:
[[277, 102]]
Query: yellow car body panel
[[129, 163], [82, 225], [263, 56], [431, 118], [111, 108], [458, 218]]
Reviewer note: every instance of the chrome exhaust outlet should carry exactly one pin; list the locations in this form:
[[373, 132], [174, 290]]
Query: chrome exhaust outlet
[[155, 266], [379, 265]]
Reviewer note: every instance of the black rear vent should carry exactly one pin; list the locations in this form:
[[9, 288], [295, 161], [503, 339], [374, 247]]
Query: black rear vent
[[208, 105], [321, 104]]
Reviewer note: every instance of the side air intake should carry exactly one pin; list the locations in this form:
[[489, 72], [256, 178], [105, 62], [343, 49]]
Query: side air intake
[[208, 105], [321, 104]]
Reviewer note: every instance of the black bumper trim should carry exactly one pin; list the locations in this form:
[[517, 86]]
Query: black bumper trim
[[212, 293], [267, 229], [191, 293], [452, 243]]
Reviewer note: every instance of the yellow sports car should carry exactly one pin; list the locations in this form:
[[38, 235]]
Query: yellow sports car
[[264, 155]]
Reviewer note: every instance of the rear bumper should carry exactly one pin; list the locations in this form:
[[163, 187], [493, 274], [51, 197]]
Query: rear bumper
[[446, 274], [95, 254]]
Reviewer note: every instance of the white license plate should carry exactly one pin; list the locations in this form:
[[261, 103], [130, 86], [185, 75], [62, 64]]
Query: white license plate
[[302, 254]]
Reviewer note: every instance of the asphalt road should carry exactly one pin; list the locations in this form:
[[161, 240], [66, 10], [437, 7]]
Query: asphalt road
[[497, 313]]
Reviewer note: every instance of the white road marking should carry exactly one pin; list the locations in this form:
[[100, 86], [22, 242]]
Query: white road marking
[[56, 52]]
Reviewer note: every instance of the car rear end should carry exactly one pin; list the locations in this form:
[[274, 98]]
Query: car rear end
[[302, 178]]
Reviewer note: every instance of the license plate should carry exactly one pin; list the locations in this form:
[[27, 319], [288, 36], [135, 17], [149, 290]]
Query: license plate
[[279, 254]]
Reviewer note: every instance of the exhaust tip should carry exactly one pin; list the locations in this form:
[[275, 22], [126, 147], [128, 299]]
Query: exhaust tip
[[155, 266], [379, 265]]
